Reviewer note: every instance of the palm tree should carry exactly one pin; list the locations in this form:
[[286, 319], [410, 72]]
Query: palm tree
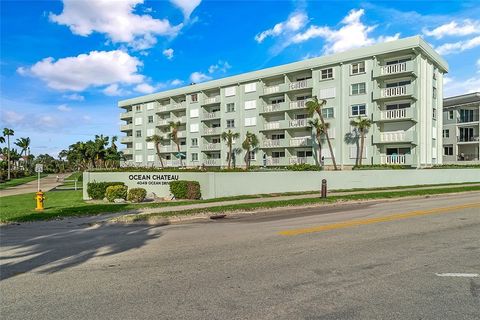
[[315, 106], [174, 126], [7, 133], [320, 130], [249, 144], [2, 139], [112, 143], [229, 136], [156, 139], [23, 144], [362, 125]]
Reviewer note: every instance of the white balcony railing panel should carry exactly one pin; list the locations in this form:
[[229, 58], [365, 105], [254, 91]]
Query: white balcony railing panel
[[298, 104], [394, 68], [393, 159]]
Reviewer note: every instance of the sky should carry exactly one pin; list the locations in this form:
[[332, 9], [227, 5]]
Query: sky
[[66, 64]]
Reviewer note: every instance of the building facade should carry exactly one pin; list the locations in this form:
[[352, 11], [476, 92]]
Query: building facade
[[396, 84], [461, 143]]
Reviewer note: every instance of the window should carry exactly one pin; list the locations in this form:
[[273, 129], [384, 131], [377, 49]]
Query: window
[[217, 140], [150, 119], [150, 106], [396, 106], [250, 104], [434, 114], [150, 145], [278, 136], [150, 132], [230, 123], [326, 74], [138, 121], [250, 87], [138, 133], [300, 98], [230, 107], [138, 146], [138, 158], [358, 67], [434, 93], [252, 156], [194, 156], [278, 154], [448, 150], [450, 114], [446, 133], [230, 91], [249, 122], [304, 154], [151, 158], [327, 112], [358, 110], [327, 93], [194, 142], [138, 108], [358, 88], [397, 84], [194, 127], [194, 113], [194, 97], [301, 116]]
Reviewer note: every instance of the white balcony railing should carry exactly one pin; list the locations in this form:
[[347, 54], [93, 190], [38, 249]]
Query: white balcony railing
[[394, 68], [163, 122], [394, 91], [269, 143], [298, 85], [393, 159], [394, 136], [211, 130], [299, 142], [212, 146], [300, 104], [211, 162], [298, 123], [272, 107], [271, 89], [211, 100], [275, 161], [393, 114], [172, 163], [162, 109], [298, 160], [211, 115], [272, 125]]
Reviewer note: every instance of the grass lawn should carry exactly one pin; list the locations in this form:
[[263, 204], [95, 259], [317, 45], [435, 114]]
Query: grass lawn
[[19, 181]]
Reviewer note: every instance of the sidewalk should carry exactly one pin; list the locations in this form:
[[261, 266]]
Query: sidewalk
[[46, 184], [280, 198]]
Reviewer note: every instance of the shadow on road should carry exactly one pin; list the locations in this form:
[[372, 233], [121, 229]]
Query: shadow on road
[[55, 249]]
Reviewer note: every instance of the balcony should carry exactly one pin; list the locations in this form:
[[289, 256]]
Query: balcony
[[398, 69], [126, 127], [211, 100], [301, 160], [298, 104], [394, 115], [394, 92], [291, 86], [471, 139], [172, 163], [172, 148], [182, 119], [275, 125], [277, 107], [126, 115], [395, 137], [179, 106], [211, 115], [161, 109], [128, 151], [128, 139], [300, 142], [163, 122], [277, 143], [299, 85], [399, 159], [299, 123], [212, 131], [212, 162], [212, 146], [281, 161]]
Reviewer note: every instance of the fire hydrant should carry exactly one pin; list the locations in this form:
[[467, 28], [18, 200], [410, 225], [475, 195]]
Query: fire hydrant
[[39, 197]]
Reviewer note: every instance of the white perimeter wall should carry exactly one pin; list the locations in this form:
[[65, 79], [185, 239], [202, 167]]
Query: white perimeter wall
[[217, 184]]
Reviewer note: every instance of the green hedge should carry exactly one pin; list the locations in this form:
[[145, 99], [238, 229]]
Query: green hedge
[[96, 190], [116, 192], [136, 194], [185, 189], [381, 167], [304, 167]]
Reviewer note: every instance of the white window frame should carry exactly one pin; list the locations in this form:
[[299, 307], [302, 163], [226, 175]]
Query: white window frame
[[151, 158], [194, 113], [250, 104], [358, 88], [326, 114], [450, 115], [358, 106], [328, 93], [327, 78], [358, 72], [138, 121], [192, 99], [230, 91], [196, 155], [138, 146], [194, 127], [228, 125], [250, 87], [250, 122], [138, 158], [150, 145], [228, 104]]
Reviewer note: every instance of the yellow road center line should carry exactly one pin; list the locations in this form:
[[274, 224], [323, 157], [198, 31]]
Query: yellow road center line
[[359, 222]]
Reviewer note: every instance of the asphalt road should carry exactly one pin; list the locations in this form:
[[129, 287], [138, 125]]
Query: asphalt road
[[408, 259]]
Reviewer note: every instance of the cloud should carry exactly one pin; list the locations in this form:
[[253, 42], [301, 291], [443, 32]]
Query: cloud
[[73, 97], [144, 88], [478, 65], [294, 22], [454, 28], [64, 108], [97, 68], [168, 53], [114, 90], [454, 87], [459, 46], [197, 77], [176, 82], [116, 19], [353, 34], [11, 118], [187, 6], [221, 66]]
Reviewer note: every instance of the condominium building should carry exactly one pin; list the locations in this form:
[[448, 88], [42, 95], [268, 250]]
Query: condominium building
[[461, 126], [396, 84]]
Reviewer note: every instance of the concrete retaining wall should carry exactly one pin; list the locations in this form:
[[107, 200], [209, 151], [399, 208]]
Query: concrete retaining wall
[[217, 184]]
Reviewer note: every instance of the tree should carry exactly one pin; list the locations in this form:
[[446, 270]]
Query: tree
[[174, 126], [156, 139], [229, 136], [362, 125], [23, 144], [7, 133], [315, 106], [249, 144], [2, 139], [320, 130]]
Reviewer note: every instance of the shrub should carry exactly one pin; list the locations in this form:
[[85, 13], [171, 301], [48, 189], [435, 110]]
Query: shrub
[[185, 189], [136, 194], [304, 167], [96, 190], [116, 192], [381, 167]]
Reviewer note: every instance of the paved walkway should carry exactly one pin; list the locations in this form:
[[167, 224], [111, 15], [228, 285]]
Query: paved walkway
[[46, 184], [280, 198]]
